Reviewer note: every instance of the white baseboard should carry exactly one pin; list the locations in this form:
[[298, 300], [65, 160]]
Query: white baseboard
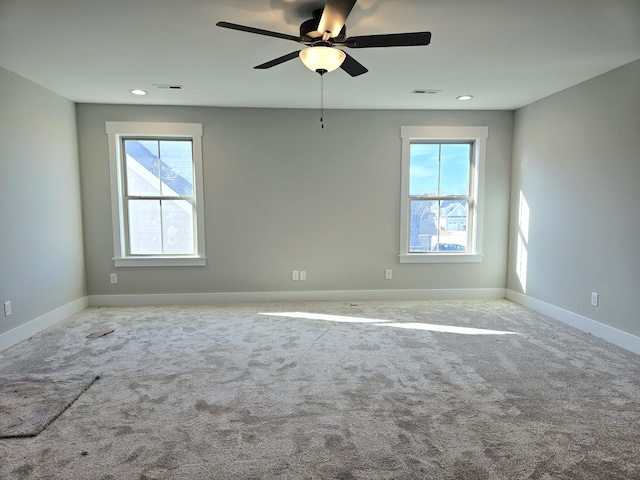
[[29, 329], [302, 296], [610, 334]]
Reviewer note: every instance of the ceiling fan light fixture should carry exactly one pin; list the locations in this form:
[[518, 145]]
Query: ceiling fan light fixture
[[325, 59]]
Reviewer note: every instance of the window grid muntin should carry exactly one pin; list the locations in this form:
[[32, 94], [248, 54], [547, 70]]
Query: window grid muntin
[[191, 199]]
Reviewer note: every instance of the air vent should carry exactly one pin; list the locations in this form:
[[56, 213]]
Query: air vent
[[164, 86], [425, 91]]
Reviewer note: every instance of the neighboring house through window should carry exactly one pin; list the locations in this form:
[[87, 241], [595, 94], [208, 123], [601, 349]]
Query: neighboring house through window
[[156, 186], [442, 186]]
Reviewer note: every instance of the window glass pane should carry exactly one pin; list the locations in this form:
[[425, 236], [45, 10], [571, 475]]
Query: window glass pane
[[452, 226], [454, 169], [177, 167], [177, 223], [423, 169], [143, 167], [423, 230], [160, 168], [145, 227]]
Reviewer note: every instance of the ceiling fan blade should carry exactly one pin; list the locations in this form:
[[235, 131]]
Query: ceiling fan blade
[[389, 40], [352, 66], [334, 16], [258, 31], [278, 61]]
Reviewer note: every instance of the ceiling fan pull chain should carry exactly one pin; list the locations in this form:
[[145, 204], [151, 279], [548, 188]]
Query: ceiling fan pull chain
[[322, 100]]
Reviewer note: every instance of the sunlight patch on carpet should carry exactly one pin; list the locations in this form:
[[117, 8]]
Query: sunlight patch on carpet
[[387, 323], [446, 329], [322, 316]]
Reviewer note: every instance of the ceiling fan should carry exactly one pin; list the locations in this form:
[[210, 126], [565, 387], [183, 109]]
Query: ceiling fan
[[326, 31]]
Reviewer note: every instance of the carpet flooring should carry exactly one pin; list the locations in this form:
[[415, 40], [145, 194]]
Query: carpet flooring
[[28, 403], [331, 390]]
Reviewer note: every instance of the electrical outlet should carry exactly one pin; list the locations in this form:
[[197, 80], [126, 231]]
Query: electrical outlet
[[388, 274], [114, 278], [595, 298], [7, 309], [295, 275]]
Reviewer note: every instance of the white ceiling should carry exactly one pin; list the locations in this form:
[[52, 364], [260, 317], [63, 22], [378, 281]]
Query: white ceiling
[[507, 53]]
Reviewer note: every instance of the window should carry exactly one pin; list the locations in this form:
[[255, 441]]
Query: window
[[156, 193], [442, 179]]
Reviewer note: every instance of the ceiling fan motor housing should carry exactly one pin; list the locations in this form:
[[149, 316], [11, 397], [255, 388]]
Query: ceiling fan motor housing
[[309, 30]]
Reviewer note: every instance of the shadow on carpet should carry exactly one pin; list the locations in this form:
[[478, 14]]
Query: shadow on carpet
[[28, 403]]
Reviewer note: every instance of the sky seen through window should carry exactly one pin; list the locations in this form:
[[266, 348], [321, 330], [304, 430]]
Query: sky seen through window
[[439, 169]]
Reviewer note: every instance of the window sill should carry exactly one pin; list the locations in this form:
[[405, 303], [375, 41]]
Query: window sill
[[160, 261], [440, 258]]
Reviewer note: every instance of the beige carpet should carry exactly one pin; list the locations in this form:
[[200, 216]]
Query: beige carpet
[[336, 390]]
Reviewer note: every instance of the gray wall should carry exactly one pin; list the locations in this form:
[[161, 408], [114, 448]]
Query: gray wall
[[282, 194], [577, 163], [41, 249]]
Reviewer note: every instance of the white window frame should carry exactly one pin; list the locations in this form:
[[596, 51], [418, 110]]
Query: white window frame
[[116, 131], [478, 137]]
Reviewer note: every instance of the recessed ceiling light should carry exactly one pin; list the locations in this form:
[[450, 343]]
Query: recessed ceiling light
[[465, 97], [137, 91]]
